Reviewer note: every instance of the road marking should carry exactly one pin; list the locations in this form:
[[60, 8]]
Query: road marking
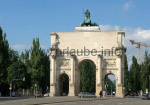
[[13, 101], [92, 103]]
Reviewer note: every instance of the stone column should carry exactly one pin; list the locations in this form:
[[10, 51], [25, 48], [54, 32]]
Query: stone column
[[99, 75], [119, 69], [72, 70], [72, 83], [119, 88], [52, 76]]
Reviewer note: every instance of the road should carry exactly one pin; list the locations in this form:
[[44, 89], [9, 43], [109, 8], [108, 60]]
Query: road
[[75, 101]]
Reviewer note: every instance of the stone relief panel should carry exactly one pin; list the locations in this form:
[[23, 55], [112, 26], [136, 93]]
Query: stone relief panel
[[63, 63], [109, 63]]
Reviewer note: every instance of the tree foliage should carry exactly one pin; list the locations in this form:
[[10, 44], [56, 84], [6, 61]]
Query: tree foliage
[[88, 77], [39, 66], [110, 85], [126, 74], [33, 64], [145, 72], [4, 61], [134, 76]]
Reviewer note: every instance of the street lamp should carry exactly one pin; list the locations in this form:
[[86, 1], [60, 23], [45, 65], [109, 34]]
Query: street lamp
[[24, 79], [106, 87], [111, 90], [14, 80], [10, 88], [149, 84], [36, 90]]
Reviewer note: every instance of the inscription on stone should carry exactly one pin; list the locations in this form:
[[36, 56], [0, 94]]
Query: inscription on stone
[[109, 63], [63, 63]]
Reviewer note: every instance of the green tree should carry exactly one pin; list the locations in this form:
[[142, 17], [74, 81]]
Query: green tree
[[33, 64], [4, 62], [39, 66], [126, 74], [145, 72], [24, 58], [111, 85], [17, 70], [88, 77], [134, 78]]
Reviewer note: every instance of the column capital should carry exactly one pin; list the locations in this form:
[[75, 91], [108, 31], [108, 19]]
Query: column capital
[[53, 56], [119, 56], [99, 84], [53, 33], [120, 84], [73, 56], [52, 84], [72, 84], [100, 56]]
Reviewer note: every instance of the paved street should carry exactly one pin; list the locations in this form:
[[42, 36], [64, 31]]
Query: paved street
[[74, 101]]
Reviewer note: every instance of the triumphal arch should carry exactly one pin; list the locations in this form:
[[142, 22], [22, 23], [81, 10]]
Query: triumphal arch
[[69, 49]]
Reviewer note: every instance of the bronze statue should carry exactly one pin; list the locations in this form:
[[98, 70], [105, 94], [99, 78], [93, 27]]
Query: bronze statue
[[87, 20]]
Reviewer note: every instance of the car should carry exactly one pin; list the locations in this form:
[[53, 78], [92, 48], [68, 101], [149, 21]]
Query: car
[[38, 94], [127, 94], [13, 94], [145, 96], [46, 95], [86, 95], [133, 94], [113, 93]]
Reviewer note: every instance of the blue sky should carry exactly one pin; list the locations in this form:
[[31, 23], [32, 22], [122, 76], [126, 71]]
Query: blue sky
[[24, 20]]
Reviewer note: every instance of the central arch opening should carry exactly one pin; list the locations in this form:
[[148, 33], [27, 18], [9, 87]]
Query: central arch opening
[[87, 76], [110, 85], [63, 85]]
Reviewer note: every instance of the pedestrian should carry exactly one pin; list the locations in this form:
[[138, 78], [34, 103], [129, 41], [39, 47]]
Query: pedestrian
[[100, 94]]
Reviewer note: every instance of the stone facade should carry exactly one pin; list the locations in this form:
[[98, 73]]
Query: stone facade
[[69, 49]]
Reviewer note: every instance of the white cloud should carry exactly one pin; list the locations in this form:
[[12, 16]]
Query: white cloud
[[136, 34], [19, 47], [44, 46], [140, 34], [129, 63], [109, 28], [22, 47], [127, 6]]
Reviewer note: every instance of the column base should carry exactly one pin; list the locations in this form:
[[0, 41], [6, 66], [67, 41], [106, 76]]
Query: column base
[[119, 91], [71, 90], [52, 90], [98, 89]]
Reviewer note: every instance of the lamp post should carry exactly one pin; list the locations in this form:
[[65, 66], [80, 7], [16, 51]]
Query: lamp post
[[23, 88], [149, 84], [36, 90], [14, 80], [10, 88], [111, 90]]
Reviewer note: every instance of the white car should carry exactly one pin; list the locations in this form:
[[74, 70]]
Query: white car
[[86, 95], [46, 95]]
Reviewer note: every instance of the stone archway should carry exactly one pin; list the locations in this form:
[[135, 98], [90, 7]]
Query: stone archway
[[87, 76], [66, 55], [63, 85]]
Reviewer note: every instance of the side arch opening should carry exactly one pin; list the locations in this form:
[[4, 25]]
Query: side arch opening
[[110, 85], [63, 85]]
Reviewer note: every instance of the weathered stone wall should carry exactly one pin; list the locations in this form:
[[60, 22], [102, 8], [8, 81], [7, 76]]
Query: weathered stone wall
[[86, 38]]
